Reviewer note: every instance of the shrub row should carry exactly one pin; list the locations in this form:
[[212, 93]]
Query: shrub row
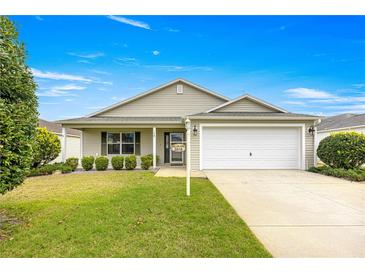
[[101, 162], [356, 174], [49, 169]]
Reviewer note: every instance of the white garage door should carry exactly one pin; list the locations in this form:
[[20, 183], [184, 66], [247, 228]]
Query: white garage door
[[251, 148]]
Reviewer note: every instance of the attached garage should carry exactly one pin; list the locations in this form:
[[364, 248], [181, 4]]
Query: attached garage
[[274, 146]]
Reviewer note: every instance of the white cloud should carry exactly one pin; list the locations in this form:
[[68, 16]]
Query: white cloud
[[59, 91], [115, 98], [308, 93], [359, 85], [58, 76], [88, 55], [69, 87], [172, 30], [295, 103], [155, 52], [69, 100], [178, 68], [135, 23]]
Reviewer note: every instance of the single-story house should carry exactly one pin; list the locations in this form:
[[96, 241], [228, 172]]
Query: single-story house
[[70, 148], [217, 132], [340, 123]]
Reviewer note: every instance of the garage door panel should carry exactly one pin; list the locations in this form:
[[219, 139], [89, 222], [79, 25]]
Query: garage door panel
[[250, 148]]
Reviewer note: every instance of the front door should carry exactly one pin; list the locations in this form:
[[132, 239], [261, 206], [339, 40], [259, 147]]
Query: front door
[[176, 138]]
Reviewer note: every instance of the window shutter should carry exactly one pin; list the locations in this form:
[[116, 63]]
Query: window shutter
[[137, 143], [103, 144]]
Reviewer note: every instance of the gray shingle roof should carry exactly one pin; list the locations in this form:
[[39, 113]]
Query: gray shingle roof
[[253, 114], [131, 120], [342, 121], [57, 128]]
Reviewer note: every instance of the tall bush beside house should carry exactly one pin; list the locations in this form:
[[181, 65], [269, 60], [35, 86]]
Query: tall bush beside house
[[72, 162], [18, 108], [101, 163], [146, 162], [130, 162], [87, 162], [117, 162], [343, 150], [46, 147]]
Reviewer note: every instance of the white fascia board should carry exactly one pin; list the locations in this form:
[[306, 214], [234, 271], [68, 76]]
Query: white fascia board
[[250, 97]]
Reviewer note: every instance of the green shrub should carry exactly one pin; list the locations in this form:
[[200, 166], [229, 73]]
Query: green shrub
[[18, 108], [130, 162], [117, 162], [65, 168], [343, 150], [46, 147], [101, 163], [87, 162], [157, 158], [356, 174], [146, 162], [72, 162], [49, 169]]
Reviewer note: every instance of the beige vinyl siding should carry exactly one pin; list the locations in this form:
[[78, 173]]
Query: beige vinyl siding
[[166, 102], [245, 105], [92, 140], [72, 148], [195, 140]]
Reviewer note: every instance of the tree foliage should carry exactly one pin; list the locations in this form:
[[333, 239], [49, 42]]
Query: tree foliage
[[343, 150], [46, 147], [18, 108]]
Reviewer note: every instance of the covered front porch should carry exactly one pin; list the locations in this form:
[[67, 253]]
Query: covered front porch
[[163, 138]]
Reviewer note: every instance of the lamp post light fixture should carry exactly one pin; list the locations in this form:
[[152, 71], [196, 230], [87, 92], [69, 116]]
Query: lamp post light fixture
[[195, 130]]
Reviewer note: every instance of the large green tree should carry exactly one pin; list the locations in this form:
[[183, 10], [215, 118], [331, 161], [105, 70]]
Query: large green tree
[[18, 108]]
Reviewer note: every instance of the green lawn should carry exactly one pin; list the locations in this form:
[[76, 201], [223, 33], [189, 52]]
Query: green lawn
[[121, 214]]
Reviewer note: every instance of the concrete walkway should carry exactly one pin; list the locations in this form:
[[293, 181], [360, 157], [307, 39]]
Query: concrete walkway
[[297, 213], [177, 171]]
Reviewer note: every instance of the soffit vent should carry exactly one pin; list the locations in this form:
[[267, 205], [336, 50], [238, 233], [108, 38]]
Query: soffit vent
[[179, 89]]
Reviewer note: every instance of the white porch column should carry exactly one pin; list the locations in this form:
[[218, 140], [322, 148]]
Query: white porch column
[[81, 145], [154, 146], [64, 144], [188, 161]]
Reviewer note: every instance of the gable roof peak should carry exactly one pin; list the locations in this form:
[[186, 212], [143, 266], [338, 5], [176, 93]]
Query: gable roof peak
[[250, 97], [177, 80]]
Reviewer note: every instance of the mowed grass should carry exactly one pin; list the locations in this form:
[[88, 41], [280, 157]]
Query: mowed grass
[[122, 214]]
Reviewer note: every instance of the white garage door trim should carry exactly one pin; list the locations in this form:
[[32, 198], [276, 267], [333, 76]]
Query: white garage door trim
[[300, 126]]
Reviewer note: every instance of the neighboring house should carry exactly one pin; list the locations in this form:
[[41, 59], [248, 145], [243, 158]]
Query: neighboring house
[[340, 123], [244, 133], [72, 139]]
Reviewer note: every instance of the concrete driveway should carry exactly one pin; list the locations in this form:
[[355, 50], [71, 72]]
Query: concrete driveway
[[297, 213]]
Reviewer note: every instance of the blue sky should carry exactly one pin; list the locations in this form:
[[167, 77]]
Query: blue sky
[[305, 64]]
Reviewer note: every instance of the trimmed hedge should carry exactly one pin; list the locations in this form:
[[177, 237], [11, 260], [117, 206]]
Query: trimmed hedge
[[101, 163], [157, 158], [73, 162], [87, 162], [146, 162], [343, 150], [356, 174], [117, 162], [130, 162], [49, 169]]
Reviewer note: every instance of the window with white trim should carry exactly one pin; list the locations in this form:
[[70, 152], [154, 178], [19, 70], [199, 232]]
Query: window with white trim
[[120, 143], [113, 140], [128, 142]]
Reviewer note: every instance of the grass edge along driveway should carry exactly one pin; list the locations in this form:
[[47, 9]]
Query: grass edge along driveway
[[122, 214]]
